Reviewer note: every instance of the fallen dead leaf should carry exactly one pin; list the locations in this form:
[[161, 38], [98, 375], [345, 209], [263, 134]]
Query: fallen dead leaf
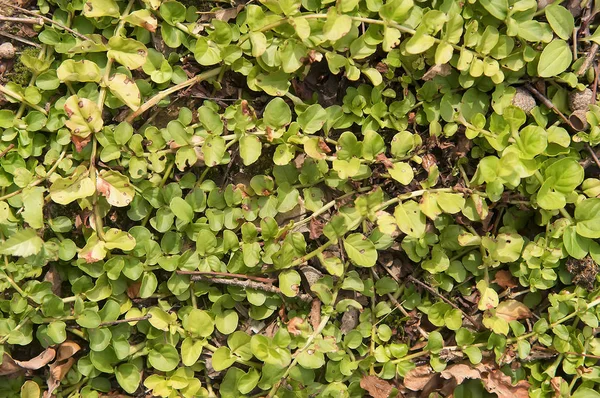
[[79, 142], [376, 387], [512, 310], [67, 350], [437, 70], [500, 384], [460, 372], [228, 13], [61, 366], [416, 379], [315, 314], [133, 291], [53, 277], [293, 324], [43, 359], [57, 373], [505, 280], [8, 366]]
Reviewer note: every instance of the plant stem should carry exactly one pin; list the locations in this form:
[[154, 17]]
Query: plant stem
[[8, 92], [38, 181], [308, 343], [159, 96]]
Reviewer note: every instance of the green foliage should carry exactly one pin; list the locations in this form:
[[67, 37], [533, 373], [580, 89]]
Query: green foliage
[[299, 198]]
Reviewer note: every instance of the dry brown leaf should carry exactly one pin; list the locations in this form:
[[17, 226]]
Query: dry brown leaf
[[8, 366], [416, 379], [293, 324], [505, 280], [80, 143], [67, 350], [43, 359], [315, 314], [57, 373], [228, 13], [512, 310], [133, 291], [500, 384], [460, 372], [53, 277], [376, 387], [437, 70]]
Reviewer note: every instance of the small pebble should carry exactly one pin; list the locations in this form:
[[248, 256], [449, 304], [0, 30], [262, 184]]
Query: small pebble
[[7, 51]]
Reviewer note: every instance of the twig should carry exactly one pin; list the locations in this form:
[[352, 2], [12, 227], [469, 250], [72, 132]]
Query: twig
[[33, 21], [399, 306], [17, 38], [51, 21], [593, 154], [159, 96], [226, 274], [549, 104], [5, 151], [249, 285], [588, 59], [118, 321], [432, 290]]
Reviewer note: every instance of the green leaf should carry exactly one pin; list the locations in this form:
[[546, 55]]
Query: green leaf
[[84, 116], [125, 90], [100, 8], [163, 357], [199, 323], [250, 149], [22, 243], [277, 113], [532, 141], [213, 150], [128, 52], [173, 12], [396, 10], [336, 26], [66, 190], [129, 377], [585, 392], [30, 389], [206, 53], [289, 282], [222, 358], [190, 351], [143, 19], [182, 209], [587, 214], [115, 187], [497, 8], [402, 172], [360, 250], [410, 219], [561, 20], [312, 119], [33, 206], [555, 59], [78, 71], [566, 174], [576, 245]]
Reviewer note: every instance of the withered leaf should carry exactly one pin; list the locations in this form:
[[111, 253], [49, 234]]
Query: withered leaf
[[416, 379], [512, 310], [376, 387], [43, 359], [505, 280], [8, 366]]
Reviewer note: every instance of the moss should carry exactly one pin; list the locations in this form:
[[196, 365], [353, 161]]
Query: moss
[[20, 74]]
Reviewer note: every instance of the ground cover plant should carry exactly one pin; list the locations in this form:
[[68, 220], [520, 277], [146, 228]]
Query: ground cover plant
[[297, 198]]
